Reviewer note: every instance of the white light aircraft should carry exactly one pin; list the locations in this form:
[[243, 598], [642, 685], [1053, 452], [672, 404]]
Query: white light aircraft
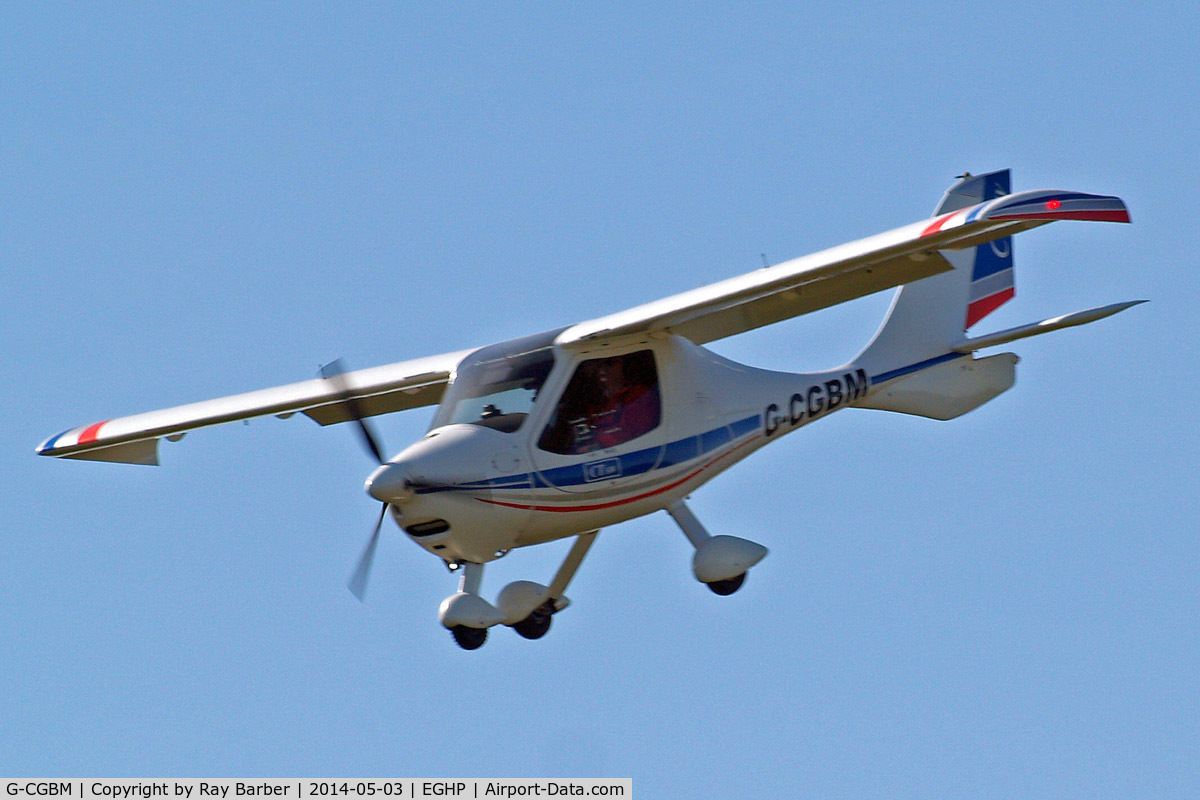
[[565, 432]]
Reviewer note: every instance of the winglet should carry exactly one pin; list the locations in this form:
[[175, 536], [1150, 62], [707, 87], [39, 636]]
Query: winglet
[[1053, 205]]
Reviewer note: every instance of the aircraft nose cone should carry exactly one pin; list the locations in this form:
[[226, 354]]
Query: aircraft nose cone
[[388, 484]]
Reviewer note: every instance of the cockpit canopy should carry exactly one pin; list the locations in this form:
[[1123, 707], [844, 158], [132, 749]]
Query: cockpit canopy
[[496, 386], [608, 400]]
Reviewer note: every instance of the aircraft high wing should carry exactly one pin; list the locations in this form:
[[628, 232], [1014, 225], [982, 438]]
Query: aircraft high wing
[[561, 433], [378, 390], [722, 309], [847, 271]]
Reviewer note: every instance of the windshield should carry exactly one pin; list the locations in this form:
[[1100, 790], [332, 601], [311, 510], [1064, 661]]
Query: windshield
[[497, 386]]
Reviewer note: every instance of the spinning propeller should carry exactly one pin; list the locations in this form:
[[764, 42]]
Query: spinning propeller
[[334, 373]]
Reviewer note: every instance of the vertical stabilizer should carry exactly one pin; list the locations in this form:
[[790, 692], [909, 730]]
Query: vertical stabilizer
[[991, 283], [930, 315]]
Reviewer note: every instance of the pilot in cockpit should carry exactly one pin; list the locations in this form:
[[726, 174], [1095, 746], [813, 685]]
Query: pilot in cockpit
[[608, 402]]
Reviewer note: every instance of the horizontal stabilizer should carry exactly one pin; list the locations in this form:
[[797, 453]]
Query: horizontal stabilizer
[[1045, 326]]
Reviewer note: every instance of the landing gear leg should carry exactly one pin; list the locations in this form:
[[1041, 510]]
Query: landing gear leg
[[570, 565], [691, 526], [471, 578], [720, 562]]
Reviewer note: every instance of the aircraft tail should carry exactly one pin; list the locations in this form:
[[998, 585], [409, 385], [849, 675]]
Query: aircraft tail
[[920, 360], [928, 316]]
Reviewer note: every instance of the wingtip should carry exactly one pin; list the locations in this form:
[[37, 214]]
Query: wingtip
[[46, 448]]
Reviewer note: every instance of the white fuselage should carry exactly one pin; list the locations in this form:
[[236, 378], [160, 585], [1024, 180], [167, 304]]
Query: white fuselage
[[478, 492]]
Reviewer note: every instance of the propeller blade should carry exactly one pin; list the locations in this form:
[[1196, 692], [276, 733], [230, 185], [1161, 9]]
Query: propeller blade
[[358, 581], [334, 372]]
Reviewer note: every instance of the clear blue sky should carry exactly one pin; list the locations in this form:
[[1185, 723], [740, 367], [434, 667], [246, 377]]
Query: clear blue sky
[[205, 199]]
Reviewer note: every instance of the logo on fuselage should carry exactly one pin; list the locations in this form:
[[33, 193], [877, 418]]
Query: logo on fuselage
[[818, 399], [602, 470]]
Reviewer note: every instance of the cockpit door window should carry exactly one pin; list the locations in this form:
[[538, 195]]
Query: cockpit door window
[[608, 402]]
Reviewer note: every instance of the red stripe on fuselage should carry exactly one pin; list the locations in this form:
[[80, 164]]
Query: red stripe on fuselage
[[615, 503]]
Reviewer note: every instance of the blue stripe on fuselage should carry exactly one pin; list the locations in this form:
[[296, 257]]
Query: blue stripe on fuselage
[[920, 365], [638, 462], [673, 453]]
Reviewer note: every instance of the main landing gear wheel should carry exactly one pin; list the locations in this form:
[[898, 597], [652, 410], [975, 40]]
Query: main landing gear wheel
[[728, 586], [469, 638], [535, 625]]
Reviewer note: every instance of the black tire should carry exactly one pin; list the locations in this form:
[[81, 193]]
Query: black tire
[[728, 586], [469, 638], [534, 626]]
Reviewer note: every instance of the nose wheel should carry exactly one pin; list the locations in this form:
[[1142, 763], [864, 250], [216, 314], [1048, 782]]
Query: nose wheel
[[469, 638]]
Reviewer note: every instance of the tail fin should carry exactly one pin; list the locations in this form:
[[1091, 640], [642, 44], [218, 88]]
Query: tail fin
[[920, 361], [928, 316], [991, 267]]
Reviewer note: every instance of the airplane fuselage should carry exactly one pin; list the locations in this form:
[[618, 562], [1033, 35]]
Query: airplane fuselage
[[717, 412]]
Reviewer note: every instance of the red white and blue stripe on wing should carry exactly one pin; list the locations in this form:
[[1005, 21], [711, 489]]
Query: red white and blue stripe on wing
[[1043, 205], [84, 434]]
